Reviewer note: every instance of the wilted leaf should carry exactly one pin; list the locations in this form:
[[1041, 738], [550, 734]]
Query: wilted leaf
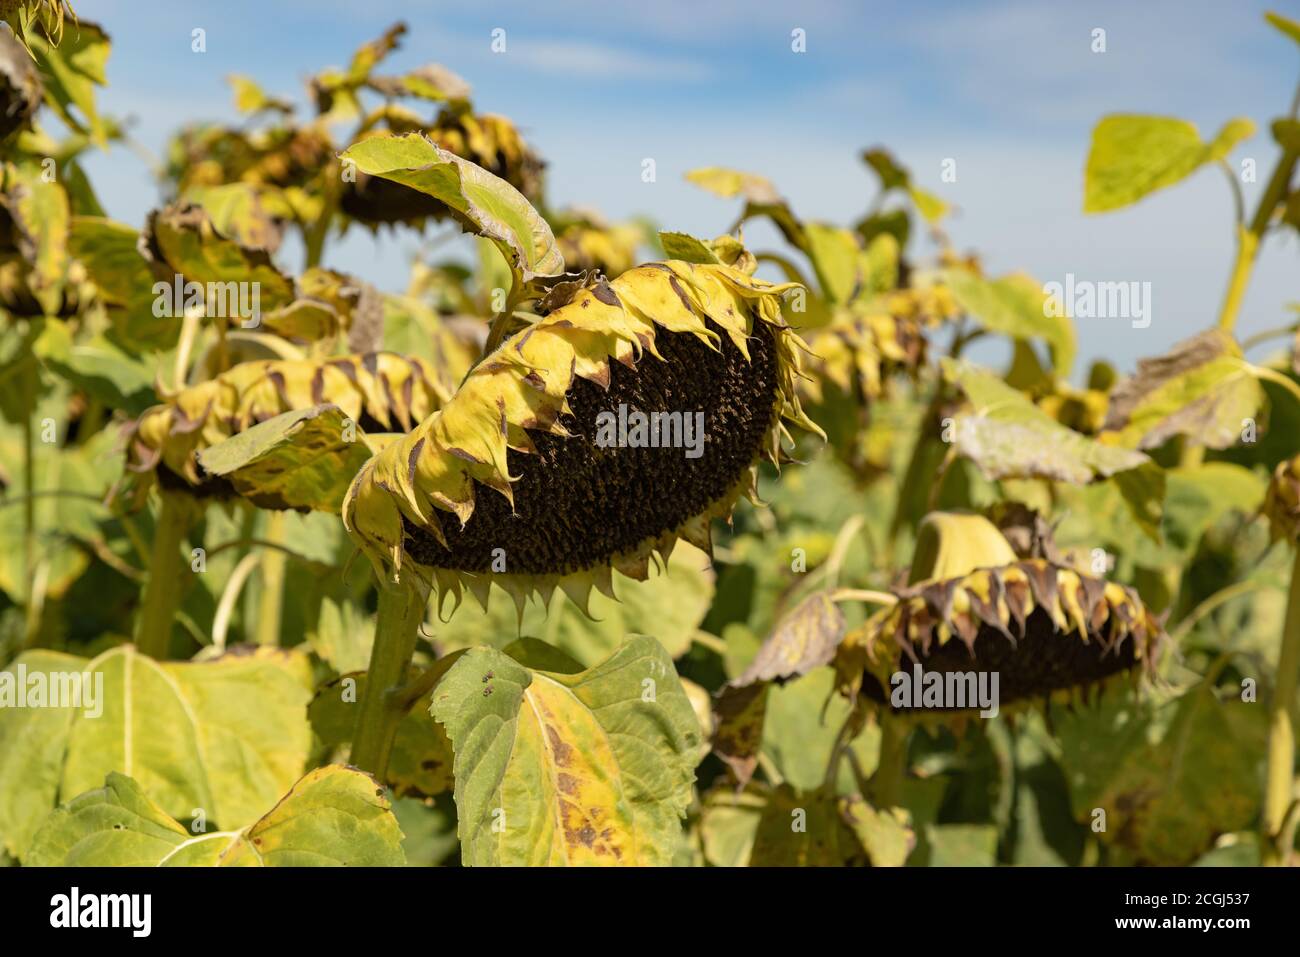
[[1133, 156], [1201, 388], [300, 459], [228, 735], [482, 203], [304, 320], [729, 183], [587, 768], [804, 639], [185, 239], [334, 816], [738, 717], [1007, 436]]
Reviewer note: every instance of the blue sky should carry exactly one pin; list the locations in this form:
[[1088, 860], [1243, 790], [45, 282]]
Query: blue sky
[[1010, 89]]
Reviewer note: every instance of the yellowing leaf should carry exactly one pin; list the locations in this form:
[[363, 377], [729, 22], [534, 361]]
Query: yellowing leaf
[[110, 255], [886, 835], [41, 220], [334, 816], [588, 768], [1015, 306], [1201, 388], [729, 183], [300, 459], [483, 203], [1133, 156], [243, 212], [834, 253], [251, 98], [686, 248], [183, 238], [1008, 436], [1286, 25], [227, 735], [930, 206]]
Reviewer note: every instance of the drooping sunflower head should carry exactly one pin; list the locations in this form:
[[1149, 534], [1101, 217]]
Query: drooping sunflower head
[[1047, 631], [379, 391], [1282, 503], [623, 420]]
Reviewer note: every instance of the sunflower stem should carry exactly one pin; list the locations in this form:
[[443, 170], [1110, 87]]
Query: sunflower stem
[[270, 602], [1249, 237], [401, 610], [1279, 786], [162, 592]]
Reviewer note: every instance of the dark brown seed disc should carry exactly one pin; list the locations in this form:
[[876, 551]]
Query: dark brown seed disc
[[1041, 662], [577, 505]]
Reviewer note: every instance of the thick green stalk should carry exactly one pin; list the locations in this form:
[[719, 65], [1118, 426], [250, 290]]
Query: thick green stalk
[[1279, 786], [401, 610], [1249, 237], [270, 602], [162, 592]]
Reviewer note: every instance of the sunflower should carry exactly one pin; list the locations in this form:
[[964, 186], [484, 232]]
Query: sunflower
[[512, 469], [1048, 631], [380, 391]]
